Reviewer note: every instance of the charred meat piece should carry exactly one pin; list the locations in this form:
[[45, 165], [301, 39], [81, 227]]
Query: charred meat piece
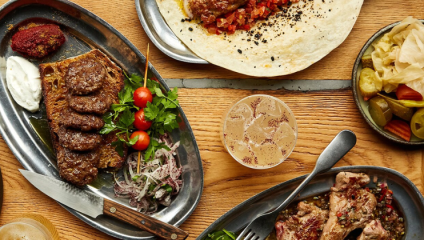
[[78, 141], [97, 103], [84, 76], [83, 122], [351, 206], [38, 41], [78, 168], [306, 225], [209, 10], [374, 231]]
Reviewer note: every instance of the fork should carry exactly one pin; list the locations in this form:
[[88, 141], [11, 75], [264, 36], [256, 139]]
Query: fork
[[261, 227]]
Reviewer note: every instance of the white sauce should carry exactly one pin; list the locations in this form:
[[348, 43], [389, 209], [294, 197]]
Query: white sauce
[[24, 83]]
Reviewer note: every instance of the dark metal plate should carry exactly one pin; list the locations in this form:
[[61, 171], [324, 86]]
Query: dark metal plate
[[359, 100], [85, 31], [405, 193]]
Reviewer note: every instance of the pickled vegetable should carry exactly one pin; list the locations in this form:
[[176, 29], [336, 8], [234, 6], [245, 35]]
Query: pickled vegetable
[[398, 109], [367, 61], [380, 111], [412, 103], [367, 83], [399, 128], [417, 123]]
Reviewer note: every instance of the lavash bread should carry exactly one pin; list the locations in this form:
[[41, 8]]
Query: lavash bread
[[55, 95], [287, 42]]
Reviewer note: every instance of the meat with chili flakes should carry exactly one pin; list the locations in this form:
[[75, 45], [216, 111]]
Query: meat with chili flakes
[[38, 41], [339, 214]]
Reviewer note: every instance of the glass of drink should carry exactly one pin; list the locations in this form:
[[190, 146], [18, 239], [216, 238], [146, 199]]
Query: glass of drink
[[259, 131], [29, 227]]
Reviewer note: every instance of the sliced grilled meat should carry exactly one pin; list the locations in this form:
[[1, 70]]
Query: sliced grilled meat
[[374, 231], [97, 103], [208, 10], [306, 225], [78, 168], [84, 76], [83, 122], [78, 141], [351, 206]]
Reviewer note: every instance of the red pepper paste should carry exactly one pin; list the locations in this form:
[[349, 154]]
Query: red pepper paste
[[38, 41]]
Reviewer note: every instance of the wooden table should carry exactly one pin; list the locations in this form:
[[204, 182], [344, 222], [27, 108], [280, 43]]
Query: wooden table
[[320, 116]]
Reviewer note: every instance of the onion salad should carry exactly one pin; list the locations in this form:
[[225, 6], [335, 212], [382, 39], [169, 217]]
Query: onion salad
[[157, 181]]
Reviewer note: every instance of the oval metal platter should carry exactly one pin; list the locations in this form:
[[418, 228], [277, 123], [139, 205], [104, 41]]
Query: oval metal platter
[[161, 35], [85, 31], [408, 198]]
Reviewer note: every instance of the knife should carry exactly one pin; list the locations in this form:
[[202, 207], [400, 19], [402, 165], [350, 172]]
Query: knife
[[94, 206]]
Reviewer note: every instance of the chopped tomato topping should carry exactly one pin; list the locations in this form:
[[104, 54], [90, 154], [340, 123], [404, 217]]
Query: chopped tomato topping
[[244, 17]]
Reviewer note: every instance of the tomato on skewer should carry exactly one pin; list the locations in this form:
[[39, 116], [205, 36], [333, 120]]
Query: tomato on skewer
[[140, 121], [142, 142], [142, 96]]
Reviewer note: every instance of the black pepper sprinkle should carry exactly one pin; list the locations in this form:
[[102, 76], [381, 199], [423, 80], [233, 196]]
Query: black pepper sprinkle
[[272, 58], [256, 43], [239, 51], [190, 29]]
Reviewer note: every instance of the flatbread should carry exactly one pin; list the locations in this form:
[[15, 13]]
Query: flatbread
[[283, 44]]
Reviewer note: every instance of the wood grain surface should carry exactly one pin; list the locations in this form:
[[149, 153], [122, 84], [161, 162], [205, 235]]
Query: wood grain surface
[[320, 116], [374, 15]]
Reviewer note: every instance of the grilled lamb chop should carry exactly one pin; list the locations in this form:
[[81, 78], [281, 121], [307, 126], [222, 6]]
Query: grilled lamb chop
[[374, 231], [208, 10], [351, 206], [306, 225]]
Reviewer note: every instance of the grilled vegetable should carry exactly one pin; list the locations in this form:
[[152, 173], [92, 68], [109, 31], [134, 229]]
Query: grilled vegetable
[[380, 111], [399, 128], [417, 123], [367, 83], [398, 109]]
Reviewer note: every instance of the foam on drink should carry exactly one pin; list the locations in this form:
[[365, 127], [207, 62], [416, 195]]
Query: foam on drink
[[259, 131], [21, 231]]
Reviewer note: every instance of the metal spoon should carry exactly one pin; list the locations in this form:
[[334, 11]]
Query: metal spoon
[[262, 226]]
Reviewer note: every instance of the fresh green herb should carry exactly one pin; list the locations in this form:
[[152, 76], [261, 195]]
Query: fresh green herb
[[163, 112], [135, 178], [167, 188], [221, 235], [151, 187]]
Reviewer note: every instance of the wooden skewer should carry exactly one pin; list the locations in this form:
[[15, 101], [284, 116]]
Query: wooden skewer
[[145, 84], [138, 162], [147, 67]]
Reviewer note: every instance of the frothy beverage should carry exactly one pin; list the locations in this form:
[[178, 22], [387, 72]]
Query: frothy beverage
[[259, 131], [22, 231]]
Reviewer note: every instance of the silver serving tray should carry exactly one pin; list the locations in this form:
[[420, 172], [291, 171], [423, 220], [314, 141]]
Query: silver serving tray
[[405, 193], [161, 35], [85, 31]]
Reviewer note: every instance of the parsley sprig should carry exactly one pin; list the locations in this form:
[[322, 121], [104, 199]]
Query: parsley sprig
[[162, 111]]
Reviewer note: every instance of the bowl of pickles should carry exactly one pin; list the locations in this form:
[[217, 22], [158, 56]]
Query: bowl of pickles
[[388, 81]]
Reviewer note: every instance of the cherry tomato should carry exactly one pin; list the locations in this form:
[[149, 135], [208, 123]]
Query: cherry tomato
[[142, 95], [142, 142], [406, 93], [140, 122]]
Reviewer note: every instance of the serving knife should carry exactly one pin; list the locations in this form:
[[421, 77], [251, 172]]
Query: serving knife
[[94, 206]]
